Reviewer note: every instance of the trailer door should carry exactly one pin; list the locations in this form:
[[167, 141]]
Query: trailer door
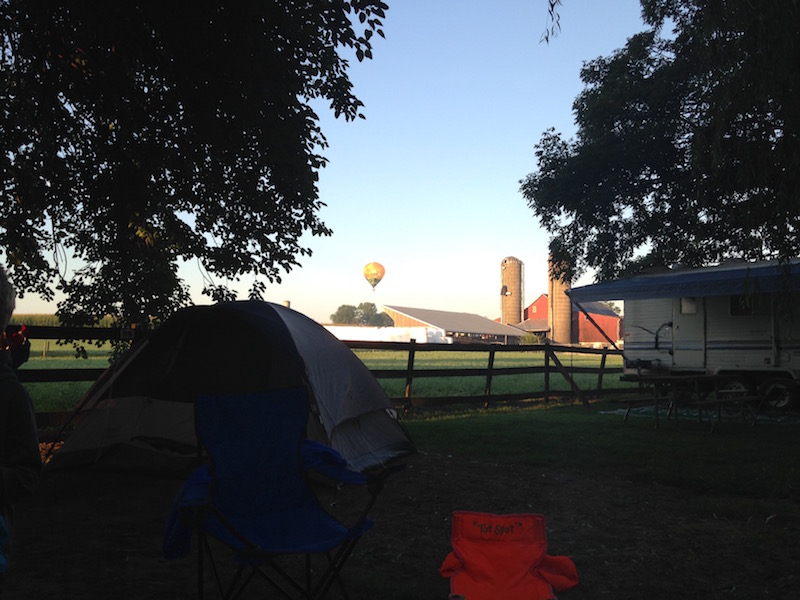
[[648, 332], [688, 333]]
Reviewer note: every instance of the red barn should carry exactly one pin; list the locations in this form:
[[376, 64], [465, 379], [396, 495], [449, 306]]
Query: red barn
[[583, 331]]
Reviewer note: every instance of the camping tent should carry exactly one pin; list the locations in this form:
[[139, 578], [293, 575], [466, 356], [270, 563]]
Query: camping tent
[[141, 412]]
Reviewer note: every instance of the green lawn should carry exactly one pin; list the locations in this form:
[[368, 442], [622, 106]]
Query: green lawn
[[61, 396], [758, 461]]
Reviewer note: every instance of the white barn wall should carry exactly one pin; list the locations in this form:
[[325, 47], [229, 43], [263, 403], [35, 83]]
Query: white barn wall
[[422, 335]]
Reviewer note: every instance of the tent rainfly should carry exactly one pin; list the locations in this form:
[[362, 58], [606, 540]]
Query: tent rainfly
[[140, 414]]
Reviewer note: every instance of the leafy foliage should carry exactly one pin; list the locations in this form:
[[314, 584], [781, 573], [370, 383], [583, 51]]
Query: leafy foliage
[[688, 144], [553, 21], [532, 338], [344, 315], [365, 314], [137, 135]]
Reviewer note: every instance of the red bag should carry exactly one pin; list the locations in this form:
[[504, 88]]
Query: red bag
[[504, 556]]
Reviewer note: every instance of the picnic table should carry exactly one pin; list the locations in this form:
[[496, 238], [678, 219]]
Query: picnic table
[[711, 394]]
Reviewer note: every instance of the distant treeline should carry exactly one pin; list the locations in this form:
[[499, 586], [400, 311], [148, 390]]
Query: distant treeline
[[50, 321]]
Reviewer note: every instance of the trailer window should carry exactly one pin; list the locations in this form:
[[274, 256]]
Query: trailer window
[[750, 305], [689, 305]]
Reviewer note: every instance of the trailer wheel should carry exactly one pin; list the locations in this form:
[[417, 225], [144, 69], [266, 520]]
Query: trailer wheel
[[736, 385], [779, 396]]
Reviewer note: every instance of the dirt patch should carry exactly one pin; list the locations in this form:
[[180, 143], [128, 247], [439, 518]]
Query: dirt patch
[[93, 535]]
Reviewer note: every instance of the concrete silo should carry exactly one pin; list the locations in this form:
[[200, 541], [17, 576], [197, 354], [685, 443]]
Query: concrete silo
[[559, 314], [511, 297]]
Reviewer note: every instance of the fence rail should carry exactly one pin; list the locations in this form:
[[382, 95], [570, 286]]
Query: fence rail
[[552, 367]]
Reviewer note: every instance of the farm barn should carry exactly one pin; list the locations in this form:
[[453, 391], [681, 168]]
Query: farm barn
[[739, 319], [553, 315], [456, 327], [582, 330]]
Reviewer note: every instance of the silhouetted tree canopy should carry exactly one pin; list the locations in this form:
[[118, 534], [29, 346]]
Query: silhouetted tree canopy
[[136, 135], [687, 147], [365, 314]]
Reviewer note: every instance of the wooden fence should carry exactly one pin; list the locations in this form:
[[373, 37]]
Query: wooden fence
[[552, 367], [87, 334]]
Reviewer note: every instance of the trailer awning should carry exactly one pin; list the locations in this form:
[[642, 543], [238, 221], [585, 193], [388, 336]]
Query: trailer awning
[[725, 280]]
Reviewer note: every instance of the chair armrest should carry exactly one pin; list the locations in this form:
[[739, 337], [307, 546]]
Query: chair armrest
[[328, 462]]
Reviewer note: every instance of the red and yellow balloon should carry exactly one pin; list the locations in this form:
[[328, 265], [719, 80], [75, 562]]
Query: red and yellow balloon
[[373, 273]]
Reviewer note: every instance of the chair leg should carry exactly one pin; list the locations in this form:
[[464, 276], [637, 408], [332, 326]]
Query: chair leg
[[275, 582], [339, 582], [201, 541], [343, 553], [332, 573], [308, 573], [235, 589], [204, 548]]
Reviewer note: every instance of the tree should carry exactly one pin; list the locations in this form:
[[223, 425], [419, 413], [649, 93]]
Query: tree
[[344, 315], [135, 135], [553, 27], [366, 314], [688, 144]]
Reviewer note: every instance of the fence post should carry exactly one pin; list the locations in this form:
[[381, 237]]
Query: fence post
[[574, 389], [410, 369], [546, 371], [488, 390], [602, 370]]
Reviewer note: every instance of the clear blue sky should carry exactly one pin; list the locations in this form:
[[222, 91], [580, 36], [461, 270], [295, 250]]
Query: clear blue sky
[[456, 97]]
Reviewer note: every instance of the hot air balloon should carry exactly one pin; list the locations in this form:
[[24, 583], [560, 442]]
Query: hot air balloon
[[373, 273]]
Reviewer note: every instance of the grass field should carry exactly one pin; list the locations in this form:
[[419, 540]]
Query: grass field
[[61, 396], [757, 461], [501, 384]]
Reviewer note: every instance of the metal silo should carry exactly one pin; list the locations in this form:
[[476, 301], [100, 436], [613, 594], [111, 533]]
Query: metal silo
[[511, 297], [559, 314]]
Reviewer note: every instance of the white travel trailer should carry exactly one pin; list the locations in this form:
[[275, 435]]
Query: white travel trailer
[[738, 318]]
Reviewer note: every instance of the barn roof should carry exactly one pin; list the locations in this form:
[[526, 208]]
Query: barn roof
[[727, 279], [535, 325], [596, 308], [456, 322]]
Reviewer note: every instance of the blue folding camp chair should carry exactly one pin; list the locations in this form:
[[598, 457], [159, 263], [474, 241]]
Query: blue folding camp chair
[[254, 497]]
